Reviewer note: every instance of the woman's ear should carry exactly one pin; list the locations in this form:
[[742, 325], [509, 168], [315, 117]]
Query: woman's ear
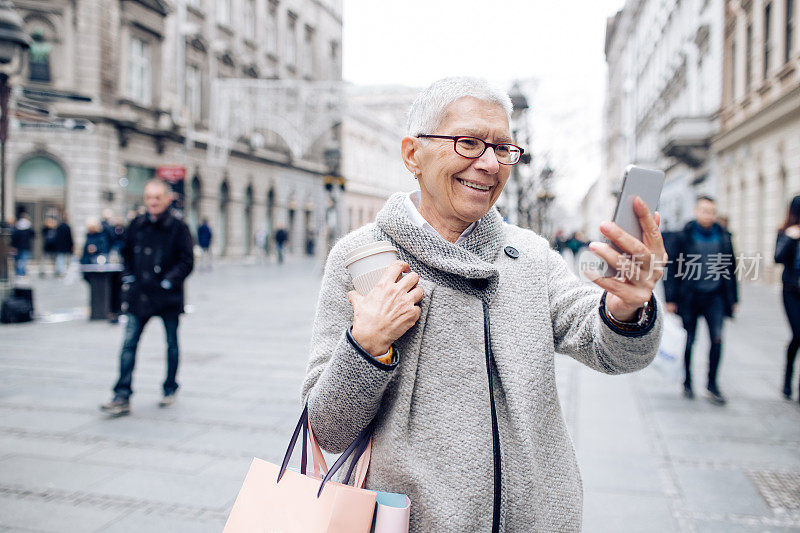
[[409, 148]]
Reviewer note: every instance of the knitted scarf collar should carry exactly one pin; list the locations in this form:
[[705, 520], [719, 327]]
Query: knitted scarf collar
[[467, 266]]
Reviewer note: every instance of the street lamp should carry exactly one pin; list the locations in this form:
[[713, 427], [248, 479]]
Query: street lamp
[[519, 105], [14, 42], [333, 158]]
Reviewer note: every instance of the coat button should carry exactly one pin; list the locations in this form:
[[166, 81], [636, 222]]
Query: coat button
[[480, 283], [148, 251], [511, 252], [157, 269]]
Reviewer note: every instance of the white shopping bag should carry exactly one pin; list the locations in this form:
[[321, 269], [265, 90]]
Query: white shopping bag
[[669, 359]]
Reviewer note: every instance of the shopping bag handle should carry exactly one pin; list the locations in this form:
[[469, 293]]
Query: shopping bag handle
[[317, 456], [359, 445]]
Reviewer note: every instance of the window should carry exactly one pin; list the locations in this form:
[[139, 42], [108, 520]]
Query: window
[[139, 71], [194, 95], [767, 38], [308, 52], [748, 60], [334, 61], [272, 28], [787, 45], [223, 12], [39, 57], [249, 19], [291, 40]]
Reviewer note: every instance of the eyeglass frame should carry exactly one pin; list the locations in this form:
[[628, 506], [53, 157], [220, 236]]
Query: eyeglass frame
[[486, 145]]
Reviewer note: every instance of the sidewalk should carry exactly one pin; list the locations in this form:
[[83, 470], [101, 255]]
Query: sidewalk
[[651, 460], [654, 461]]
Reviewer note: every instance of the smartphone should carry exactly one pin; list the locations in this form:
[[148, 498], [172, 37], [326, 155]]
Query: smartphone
[[647, 185]]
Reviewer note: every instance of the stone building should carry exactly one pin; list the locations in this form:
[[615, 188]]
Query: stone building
[[116, 89], [663, 94], [759, 142], [372, 130]]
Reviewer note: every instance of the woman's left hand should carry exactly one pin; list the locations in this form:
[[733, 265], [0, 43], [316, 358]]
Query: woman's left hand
[[638, 268]]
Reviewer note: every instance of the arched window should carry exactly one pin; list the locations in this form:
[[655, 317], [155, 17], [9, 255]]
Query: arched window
[[42, 60], [224, 201], [40, 191], [195, 193], [248, 220]]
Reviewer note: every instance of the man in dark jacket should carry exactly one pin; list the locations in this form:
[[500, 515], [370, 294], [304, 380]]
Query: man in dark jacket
[[158, 257], [701, 281], [22, 237]]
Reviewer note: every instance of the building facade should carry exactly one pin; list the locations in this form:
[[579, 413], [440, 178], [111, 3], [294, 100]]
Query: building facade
[[115, 89], [372, 129], [663, 97], [759, 142]]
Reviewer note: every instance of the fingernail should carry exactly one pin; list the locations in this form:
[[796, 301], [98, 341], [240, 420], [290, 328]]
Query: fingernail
[[605, 226], [593, 245]]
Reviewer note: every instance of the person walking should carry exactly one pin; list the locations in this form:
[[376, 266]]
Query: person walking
[[97, 245], [787, 253], [281, 236], [63, 247], [451, 354], [22, 237], [157, 257], [703, 283], [204, 236]]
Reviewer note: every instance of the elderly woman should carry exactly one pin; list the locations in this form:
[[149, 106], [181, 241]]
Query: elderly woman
[[455, 359]]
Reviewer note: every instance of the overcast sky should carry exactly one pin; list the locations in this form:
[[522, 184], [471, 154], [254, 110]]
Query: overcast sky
[[415, 42]]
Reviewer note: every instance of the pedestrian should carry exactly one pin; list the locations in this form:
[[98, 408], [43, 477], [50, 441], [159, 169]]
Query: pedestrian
[[97, 244], [702, 282], [63, 247], [48, 244], [454, 361], [310, 242], [22, 237], [281, 236], [787, 253], [204, 236], [157, 257]]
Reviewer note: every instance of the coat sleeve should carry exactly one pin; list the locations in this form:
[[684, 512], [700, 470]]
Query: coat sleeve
[[185, 256], [580, 332], [785, 248], [344, 385]]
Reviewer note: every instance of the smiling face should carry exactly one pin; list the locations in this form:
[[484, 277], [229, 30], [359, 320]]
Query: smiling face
[[456, 191]]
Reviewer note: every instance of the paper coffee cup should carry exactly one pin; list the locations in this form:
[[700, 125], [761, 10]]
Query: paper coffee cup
[[366, 264]]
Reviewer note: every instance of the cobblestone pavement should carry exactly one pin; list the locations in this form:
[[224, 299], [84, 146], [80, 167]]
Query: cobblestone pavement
[[651, 460]]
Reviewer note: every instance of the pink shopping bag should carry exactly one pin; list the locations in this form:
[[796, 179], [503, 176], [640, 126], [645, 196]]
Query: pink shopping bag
[[274, 499]]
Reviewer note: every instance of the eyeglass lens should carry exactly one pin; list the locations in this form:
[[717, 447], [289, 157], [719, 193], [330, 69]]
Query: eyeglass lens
[[469, 147]]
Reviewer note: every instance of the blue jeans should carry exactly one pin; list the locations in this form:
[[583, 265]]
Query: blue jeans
[[127, 359], [21, 261]]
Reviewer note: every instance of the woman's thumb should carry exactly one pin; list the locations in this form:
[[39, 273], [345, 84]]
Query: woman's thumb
[[353, 296]]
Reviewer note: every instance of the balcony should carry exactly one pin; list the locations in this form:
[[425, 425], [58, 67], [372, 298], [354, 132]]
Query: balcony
[[688, 139]]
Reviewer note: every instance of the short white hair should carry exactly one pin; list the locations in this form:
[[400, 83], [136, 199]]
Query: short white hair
[[428, 109]]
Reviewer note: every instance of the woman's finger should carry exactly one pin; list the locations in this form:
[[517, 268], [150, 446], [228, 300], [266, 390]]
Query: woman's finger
[[623, 240], [624, 265], [393, 272], [408, 282], [416, 294]]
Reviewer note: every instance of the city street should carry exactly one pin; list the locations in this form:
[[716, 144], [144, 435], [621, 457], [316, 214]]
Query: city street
[[651, 460]]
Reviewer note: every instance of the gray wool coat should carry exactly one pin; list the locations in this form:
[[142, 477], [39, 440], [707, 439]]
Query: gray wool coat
[[434, 434]]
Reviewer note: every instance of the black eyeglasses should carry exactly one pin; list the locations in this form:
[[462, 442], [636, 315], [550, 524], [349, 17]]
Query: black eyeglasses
[[473, 148]]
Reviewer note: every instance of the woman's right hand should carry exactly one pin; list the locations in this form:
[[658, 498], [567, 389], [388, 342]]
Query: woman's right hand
[[389, 310], [793, 232]]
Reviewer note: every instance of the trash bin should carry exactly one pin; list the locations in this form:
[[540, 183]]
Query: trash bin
[[102, 286]]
